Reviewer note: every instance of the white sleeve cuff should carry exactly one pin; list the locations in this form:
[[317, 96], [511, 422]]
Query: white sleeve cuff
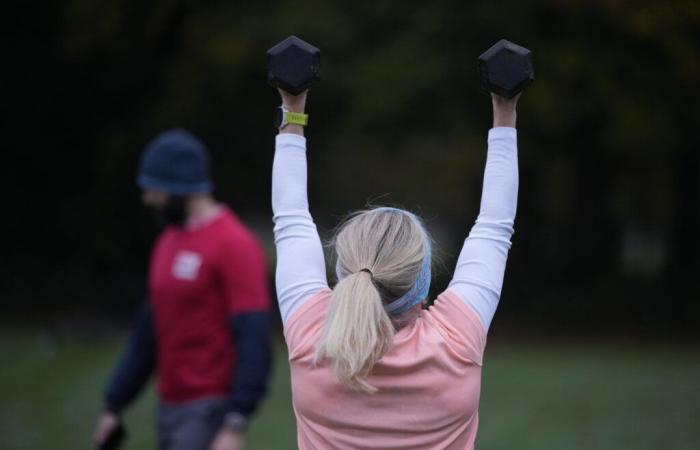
[[290, 140], [503, 133]]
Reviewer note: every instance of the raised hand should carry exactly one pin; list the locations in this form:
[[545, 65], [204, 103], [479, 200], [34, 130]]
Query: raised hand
[[504, 110]]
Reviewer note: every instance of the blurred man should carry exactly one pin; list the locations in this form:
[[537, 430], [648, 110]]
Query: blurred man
[[205, 328]]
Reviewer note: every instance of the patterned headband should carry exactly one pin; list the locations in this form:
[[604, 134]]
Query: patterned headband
[[420, 288]]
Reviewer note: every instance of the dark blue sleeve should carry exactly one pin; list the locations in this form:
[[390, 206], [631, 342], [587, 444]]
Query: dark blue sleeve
[[136, 364], [251, 337]]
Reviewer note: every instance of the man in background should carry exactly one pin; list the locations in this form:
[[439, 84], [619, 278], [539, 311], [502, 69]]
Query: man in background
[[204, 330]]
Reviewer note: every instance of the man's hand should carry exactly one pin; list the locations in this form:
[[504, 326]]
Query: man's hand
[[106, 424], [504, 110], [228, 440]]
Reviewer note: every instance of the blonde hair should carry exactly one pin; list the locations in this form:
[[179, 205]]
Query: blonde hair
[[380, 253]]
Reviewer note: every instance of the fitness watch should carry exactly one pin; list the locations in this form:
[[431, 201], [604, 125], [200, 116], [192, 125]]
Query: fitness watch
[[284, 117], [236, 422]]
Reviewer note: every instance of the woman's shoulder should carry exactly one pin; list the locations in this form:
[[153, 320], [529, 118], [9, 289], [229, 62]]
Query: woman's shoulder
[[304, 324], [458, 324]]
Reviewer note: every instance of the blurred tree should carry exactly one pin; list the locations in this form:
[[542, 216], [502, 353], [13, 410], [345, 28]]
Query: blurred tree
[[608, 137]]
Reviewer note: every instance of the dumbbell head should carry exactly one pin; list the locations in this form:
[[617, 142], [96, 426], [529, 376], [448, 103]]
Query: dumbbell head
[[292, 65], [506, 69]]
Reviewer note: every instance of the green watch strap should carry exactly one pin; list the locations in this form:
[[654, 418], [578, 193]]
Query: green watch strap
[[297, 118]]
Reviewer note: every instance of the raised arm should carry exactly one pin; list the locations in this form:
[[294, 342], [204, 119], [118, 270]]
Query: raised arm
[[478, 277], [301, 268]]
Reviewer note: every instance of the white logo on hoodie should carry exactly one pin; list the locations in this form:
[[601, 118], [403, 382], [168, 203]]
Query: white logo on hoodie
[[186, 265]]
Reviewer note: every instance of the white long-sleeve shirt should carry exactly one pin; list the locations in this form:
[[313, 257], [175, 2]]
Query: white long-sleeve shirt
[[478, 277]]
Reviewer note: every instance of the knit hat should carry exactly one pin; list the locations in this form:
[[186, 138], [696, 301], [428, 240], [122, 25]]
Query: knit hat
[[177, 162]]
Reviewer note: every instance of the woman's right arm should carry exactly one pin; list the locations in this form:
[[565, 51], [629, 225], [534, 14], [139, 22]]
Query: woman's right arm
[[481, 265], [301, 267]]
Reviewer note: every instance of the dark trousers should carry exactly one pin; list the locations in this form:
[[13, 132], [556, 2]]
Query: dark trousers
[[190, 426]]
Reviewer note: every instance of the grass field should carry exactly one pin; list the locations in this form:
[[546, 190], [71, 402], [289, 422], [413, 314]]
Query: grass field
[[536, 395]]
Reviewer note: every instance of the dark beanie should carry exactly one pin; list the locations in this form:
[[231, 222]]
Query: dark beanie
[[176, 162]]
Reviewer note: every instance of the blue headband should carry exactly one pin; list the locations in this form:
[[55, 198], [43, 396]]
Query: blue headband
[[420, 288]]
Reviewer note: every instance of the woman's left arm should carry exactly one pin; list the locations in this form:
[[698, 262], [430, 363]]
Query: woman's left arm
[[481, 265]]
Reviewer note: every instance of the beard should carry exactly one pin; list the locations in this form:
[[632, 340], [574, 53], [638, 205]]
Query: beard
[[172, 213]]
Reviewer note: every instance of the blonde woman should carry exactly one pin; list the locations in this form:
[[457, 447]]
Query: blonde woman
[[371, 368]]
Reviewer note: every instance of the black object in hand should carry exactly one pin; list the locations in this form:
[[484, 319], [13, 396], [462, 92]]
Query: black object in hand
[[506, 69], [293, 64], [115, 439]]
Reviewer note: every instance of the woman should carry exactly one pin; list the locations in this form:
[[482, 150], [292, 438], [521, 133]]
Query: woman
[[370, 367]]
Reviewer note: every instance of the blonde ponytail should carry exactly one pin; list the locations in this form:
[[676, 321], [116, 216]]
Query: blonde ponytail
[[380, 254], [358, 331]]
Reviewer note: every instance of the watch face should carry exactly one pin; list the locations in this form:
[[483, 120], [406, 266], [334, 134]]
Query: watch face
[[277, 117], [236, 422]]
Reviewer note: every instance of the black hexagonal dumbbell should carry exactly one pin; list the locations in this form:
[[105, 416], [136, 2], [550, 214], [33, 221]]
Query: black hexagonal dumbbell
[[293, 64], [506, 69]]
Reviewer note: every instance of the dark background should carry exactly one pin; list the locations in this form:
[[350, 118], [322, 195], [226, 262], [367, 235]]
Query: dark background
[[607, 230]]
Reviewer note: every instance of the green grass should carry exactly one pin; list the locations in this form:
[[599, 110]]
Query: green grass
[[535, 395]]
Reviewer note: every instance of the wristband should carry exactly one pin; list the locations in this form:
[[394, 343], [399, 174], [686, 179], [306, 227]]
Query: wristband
[[284, 117]]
